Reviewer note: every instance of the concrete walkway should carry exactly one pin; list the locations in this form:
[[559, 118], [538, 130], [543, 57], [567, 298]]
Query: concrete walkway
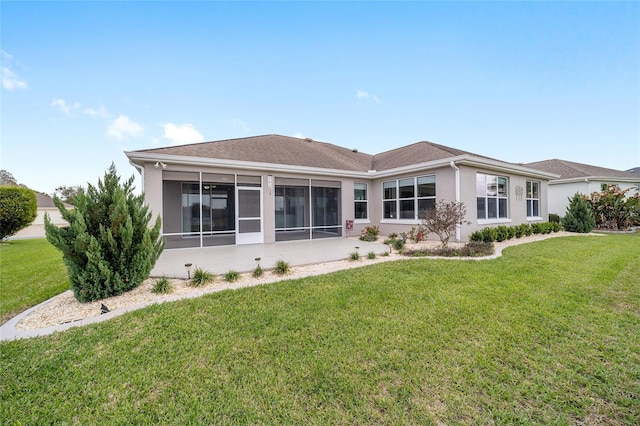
[[222, 259]]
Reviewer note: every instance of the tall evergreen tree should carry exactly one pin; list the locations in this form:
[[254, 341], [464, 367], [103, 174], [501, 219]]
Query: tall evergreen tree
[[579, 217], [108, 247]]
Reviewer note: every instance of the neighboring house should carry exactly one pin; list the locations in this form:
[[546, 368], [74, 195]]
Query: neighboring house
[[45, 205], [582, 178], [271, 188], [635, 170]]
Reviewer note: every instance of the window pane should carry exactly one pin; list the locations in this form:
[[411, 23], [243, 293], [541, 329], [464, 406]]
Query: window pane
[[360, 191], [482, 209], [249, 181], [424, 205], [389, 189], [389, 209], [536, 208], [502, 187], [407, 209], [529, 192], [492, 208], [529, 208], [326, 206], [248, 203], [361, 210], [427, 186], [481, 185], [535, 189], [492, 186], [502, 210], [407, 188]]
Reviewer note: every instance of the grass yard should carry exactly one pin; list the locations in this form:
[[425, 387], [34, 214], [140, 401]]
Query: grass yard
[[31, 271], [546, 334]]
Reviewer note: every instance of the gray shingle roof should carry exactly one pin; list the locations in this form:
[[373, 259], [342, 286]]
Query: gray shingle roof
[[277, 149], [571, 170]]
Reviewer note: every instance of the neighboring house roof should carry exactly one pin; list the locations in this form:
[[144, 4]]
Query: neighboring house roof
[[46, 202], [295, 153], [570, 171], [635, 170]]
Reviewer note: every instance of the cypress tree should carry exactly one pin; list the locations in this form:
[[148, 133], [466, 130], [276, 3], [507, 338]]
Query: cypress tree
[[579, 217], [108, 247]]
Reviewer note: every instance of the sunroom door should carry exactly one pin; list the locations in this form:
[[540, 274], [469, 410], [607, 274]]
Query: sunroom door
[[249, 226]]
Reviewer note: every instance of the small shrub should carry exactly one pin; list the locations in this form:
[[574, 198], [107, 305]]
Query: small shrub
[[528, 230], [162, 286], [417, 234], [556, 227], [519, 230], [476, 249], [393, 236], [489, 235], [354, 255], [512, 232], [398, 245], [502, 233], [200, 277], [579, 217], [371, 255], [282, 267], [231, 276], [18, 208], [258, 272], [476, 236], [370, 233], [385, 254], [554, 218]]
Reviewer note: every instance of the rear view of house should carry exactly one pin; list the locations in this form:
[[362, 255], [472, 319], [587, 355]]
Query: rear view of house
[[273, 188]]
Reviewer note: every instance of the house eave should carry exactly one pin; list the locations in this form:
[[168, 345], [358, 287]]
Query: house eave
[[610, 179], [139, 158]]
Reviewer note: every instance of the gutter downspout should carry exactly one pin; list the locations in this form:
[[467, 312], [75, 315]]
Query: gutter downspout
[[141, 170], [457, 178]]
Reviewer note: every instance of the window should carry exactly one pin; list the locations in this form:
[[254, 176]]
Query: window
[[533, 199], [492, 198], [361, 201], [408, 198]]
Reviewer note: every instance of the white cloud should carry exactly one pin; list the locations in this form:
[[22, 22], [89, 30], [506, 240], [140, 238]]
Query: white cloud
[[122, 128], [100, 112], [364, 96], [62, 104], [11, 81], [181, 134], [298, 135]]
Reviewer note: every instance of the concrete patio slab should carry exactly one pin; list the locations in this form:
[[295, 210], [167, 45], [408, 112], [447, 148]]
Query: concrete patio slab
[[241, 258]]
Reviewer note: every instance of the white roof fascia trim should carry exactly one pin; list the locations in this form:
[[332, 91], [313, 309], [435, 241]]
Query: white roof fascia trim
[[245, 165], [609, 179], [468, 160]]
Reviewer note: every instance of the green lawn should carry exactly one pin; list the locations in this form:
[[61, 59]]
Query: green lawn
[[546, 334], [31, 271]]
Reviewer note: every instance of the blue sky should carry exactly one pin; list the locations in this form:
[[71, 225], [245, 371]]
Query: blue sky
[[527, 81]]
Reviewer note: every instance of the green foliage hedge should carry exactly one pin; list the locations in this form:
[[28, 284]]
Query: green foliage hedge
[[502, 232], [18, 208], [107, 248]]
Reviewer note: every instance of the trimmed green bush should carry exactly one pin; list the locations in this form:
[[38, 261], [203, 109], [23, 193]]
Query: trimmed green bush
[[579, 217], [108, 248], [371, 255], [370, 233], [18, 208], [258, 272], [355, 255]]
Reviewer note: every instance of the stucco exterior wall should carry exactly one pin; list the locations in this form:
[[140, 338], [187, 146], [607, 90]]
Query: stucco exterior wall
[[560, 193]]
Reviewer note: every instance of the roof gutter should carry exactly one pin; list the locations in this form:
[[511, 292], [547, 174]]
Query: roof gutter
[[141, 170]]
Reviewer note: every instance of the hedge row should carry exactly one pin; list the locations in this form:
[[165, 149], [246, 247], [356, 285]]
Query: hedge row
[[501, 233]]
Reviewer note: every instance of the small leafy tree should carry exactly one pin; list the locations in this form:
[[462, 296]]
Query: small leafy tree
[[18, 208], [613, 209], [67, 193], [443, 219], [108, 248], [579, 217], [7, 179]]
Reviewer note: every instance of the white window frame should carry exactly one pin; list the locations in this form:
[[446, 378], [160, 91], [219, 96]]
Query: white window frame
[[397, 200], [365, 202], [497, 197], [531, 199]]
